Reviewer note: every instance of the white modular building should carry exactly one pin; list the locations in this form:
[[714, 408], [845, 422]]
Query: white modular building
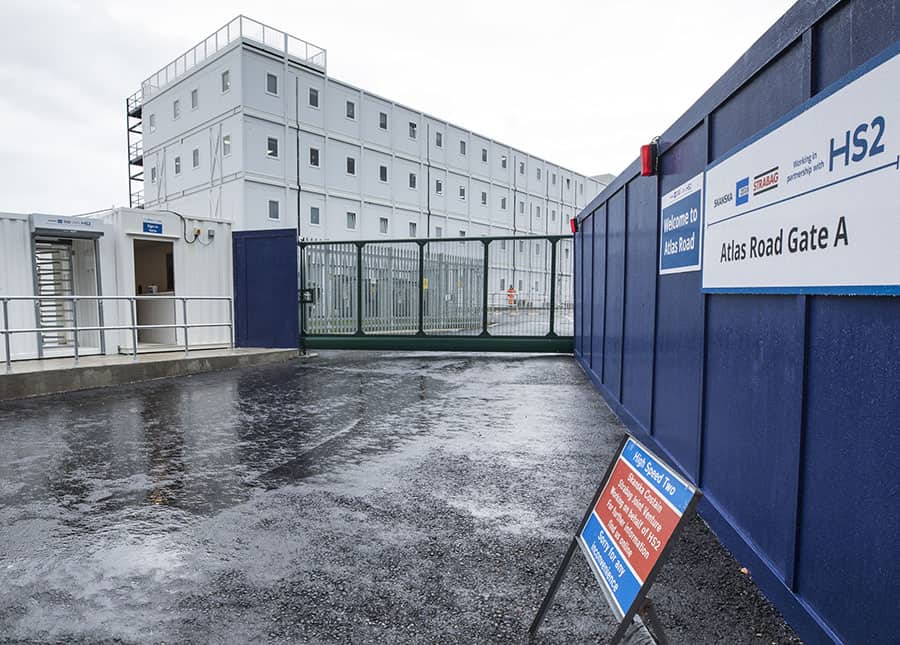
[[109, 273], [248, 126]]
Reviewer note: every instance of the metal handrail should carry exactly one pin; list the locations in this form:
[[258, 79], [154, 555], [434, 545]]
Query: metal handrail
[[134, 327], [135, 151]]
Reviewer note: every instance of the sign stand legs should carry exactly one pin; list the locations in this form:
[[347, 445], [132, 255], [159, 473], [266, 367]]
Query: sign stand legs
[[551, 592], [648, 613]]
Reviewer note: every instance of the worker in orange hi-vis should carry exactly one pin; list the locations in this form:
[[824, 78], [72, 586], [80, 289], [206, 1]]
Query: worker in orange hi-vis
[[511, 295]]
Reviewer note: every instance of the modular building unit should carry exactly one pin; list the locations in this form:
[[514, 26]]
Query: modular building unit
[[249, 126], [61, 271]]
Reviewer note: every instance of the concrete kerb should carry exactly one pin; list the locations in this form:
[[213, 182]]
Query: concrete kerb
[[68, 378]]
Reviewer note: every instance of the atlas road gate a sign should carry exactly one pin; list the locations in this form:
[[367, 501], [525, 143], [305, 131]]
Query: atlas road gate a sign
[[628, 530], [811, 205]]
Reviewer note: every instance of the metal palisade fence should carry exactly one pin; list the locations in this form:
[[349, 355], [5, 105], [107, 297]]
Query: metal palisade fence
[[486, 293]]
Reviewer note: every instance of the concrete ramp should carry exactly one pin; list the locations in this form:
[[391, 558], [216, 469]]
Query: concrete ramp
[[52, 376]]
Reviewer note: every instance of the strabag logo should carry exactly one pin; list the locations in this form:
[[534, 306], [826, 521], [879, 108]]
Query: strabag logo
[[742, 190], [765, 181]]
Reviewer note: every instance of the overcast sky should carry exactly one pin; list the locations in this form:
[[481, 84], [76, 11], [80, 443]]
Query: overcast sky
[[582, 84]]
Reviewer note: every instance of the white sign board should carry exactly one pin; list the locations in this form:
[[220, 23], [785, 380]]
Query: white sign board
[[812, 205]]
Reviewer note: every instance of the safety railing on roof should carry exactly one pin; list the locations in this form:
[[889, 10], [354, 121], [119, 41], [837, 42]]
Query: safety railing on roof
[[134, 327], [240, 27]]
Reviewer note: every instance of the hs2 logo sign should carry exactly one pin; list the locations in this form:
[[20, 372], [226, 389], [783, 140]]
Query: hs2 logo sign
[[861, 145]]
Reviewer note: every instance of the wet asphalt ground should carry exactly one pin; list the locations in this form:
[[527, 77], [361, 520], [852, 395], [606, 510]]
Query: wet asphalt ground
[[350, 498]]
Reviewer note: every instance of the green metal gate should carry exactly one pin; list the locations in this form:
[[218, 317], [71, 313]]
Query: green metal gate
[[449, 294]]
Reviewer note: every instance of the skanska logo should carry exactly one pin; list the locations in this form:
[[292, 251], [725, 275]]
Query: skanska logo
[[742, 191]]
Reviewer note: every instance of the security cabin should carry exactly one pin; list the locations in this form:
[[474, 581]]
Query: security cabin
[[128, 279]]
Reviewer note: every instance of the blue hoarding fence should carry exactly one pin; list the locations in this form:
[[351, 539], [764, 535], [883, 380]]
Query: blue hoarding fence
[[775, 404]]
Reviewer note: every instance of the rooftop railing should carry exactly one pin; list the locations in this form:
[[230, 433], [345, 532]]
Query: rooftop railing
[[240, 27]]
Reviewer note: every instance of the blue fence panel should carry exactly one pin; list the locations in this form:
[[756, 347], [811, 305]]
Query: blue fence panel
[[783, 408], [770, 94], [640, 303], [578, 283], [615, 294], [599, 291], [266, 313], [587, 313], [850, 510], [754, 390]]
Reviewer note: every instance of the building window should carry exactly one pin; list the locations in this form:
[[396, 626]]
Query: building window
[[271, 83], [522, 208], [314, 157], [412, 180], [553, 179], [351, 166], [438, 231], [484, 155], [226, 81], [521, 250], [521, 167], [152, 122], [553, 215], [153, 175], [195, 158], [537, 211], [566, 252], [226, 145], [503, 161], [483, 198], [520, 285], [382, 173], [177, 165], [503, 203], [502, 245], [313, 98], [273, 209], [351, 220], [412, 130], [351, 110], [272, 147], [462, 233], [412, 229], [383, 225], [537, 249], [176, 109], [462, 147], [581, 188], [568, 183], [462, 192], [382, 120], [502, 284], [438, 186], [539, 174], [195, 99], [314, 215], [439, 139]]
